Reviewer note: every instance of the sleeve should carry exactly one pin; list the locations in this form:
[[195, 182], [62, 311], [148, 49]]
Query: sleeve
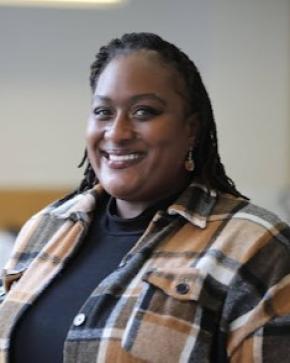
[[270, 340], [256, 314], [22, 243]]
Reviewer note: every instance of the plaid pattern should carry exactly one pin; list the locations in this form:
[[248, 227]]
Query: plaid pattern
[[209, 281]]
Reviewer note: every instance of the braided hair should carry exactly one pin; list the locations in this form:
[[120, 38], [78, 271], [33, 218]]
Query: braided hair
[[208, 165]]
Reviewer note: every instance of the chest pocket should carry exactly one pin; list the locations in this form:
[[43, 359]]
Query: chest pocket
[[165, 321]]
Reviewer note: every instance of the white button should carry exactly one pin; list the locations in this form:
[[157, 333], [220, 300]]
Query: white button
[[122, 264], [2, 291], [79, 319]]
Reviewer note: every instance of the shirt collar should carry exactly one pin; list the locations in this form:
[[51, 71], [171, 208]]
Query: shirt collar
[[194, 204], [79, 206]]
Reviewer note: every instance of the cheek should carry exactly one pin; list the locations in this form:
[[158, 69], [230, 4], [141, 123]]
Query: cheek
[[92, 135], [171, 142]]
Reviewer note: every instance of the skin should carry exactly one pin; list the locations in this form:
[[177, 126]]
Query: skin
[[138, 109]]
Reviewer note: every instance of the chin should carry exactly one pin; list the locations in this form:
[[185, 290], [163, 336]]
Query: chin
[[120, 191], [122, 187]]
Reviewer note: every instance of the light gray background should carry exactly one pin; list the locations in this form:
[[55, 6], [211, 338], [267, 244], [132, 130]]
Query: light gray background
[[240, 47]]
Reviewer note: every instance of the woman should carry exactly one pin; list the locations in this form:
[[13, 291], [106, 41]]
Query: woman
[[157, 257]]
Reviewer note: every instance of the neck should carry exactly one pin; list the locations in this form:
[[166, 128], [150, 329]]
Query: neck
[[131, 209]]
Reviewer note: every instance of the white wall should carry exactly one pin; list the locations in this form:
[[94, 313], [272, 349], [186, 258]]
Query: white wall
[[241, 48]]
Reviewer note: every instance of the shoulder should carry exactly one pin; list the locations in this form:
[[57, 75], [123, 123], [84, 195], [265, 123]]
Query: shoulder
[[233, 237], [45, 224], [232, 216], [242, 217]]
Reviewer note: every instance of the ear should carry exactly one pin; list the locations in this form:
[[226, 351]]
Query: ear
[[193, 128]]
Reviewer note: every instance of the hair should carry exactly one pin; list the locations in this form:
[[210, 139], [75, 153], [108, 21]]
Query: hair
[[208, 166]]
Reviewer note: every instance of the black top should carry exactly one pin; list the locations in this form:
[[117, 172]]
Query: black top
[[108, 240]]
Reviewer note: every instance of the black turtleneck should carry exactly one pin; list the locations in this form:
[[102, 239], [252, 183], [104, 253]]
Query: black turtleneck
[[109, 239]]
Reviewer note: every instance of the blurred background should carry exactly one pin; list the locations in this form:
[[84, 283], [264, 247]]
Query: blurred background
[[242, 49]]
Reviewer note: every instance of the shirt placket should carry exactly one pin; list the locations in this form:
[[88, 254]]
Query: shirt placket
[[89, 325]]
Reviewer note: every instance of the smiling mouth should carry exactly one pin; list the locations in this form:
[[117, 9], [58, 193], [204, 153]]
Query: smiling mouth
[[122, 160]]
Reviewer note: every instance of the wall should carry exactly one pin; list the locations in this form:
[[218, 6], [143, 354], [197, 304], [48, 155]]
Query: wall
[[241, 48]]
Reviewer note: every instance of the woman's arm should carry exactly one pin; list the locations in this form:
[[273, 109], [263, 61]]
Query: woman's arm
[[270, 343], [257, 309]]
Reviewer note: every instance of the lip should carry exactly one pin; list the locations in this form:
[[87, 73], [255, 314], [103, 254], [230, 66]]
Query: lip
[[120, 151], [121, 158]]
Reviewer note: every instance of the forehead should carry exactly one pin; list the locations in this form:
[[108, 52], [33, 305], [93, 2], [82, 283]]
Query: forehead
[[143, 70]]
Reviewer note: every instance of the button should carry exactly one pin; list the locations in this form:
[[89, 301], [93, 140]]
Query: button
[[156, 217], [122, 264], [74, 217], [182, 288], [79, 319]]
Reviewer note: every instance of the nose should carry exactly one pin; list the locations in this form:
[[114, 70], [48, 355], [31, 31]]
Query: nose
[[120, 129]]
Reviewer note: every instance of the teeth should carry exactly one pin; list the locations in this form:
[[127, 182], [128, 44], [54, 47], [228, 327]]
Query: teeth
[[123, 157]]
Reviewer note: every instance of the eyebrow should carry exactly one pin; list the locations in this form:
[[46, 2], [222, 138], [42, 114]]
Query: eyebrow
[[135, 98]]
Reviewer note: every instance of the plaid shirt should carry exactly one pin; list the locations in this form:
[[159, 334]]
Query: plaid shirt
[[209, 281]]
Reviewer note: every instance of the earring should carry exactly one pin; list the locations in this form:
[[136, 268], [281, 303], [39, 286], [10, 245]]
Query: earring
[[189, 162]]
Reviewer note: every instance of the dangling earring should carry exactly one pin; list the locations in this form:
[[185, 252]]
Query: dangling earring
[[189, 162]]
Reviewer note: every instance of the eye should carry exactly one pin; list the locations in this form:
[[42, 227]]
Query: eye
[[145, 112], [102, 113]]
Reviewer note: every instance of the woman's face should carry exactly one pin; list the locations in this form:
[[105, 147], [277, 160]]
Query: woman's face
[[137, 134]]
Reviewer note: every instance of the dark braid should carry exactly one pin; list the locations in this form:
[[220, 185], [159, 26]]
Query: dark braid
[[208, 166]]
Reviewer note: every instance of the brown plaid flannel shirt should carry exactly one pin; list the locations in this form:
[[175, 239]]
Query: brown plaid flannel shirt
[[209, 281]]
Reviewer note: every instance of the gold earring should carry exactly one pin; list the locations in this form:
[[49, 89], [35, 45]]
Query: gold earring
[[189, 162]]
